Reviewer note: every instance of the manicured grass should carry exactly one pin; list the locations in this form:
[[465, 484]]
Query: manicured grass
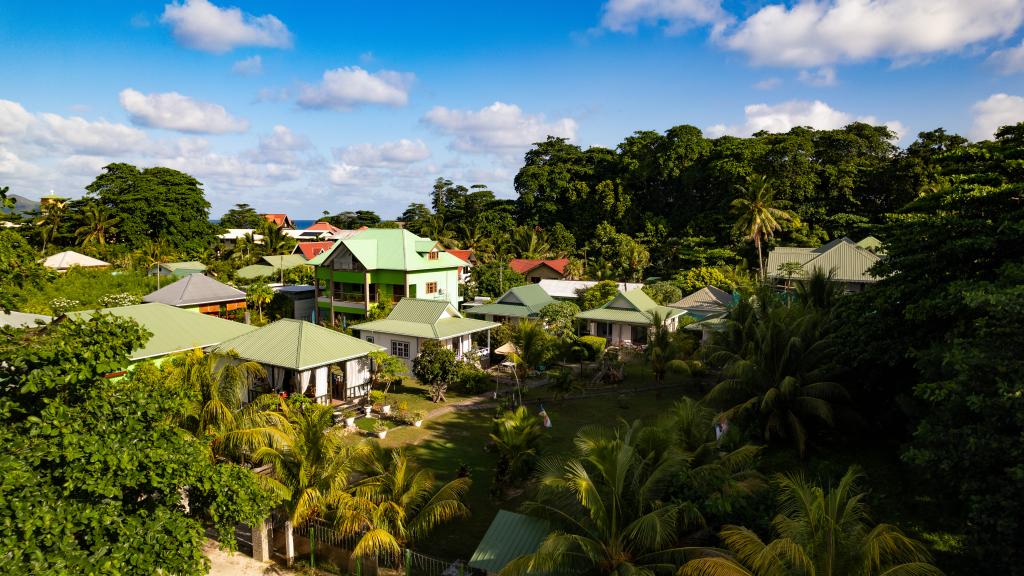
[[367, 424], [416, 396], [460, 438]]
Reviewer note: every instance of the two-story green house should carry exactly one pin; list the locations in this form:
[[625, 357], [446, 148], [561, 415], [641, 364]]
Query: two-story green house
[[381, 265]]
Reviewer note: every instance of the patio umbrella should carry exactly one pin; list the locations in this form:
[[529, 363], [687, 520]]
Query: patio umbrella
[[507, 349]]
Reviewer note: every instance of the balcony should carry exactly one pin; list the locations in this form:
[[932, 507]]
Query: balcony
[[357, 303]]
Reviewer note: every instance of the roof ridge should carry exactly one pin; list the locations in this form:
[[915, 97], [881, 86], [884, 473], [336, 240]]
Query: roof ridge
[[298, 349]]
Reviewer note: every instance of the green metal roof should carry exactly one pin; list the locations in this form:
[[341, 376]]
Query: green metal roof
[[285, 261], [850, 261], [173, 329], [509, 536], [255, 271], [630, 307], [390, 249], [432, 319], [192, 265], [519, 302], [298, 345]]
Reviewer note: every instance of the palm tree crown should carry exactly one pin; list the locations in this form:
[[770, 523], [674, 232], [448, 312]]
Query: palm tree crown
[[757, 217]]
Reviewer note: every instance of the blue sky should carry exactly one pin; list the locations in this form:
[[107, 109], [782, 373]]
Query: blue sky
[[300, 107]]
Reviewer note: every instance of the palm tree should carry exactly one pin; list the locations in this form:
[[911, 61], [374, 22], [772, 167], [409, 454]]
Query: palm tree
[[533, 345], [819, 290], [99, 223], [50, 222], [819, 533], [310, 460], [275, 241], [531, 243], [218, 381], [757, 217], [476, 239], [608, 509], [789, 270], [395, 504], [259, 294], [775, 365], [663, 351], [435, 228], [155, 254], [516, 436]]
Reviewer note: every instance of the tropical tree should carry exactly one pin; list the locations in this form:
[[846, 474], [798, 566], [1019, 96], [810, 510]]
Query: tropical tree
[[275, 241], [757, 214], [437, 367], [386, 370], [310, 460], [819, 533], [516, 436], [50, 222], [560, 319], [438, 229], [819, 289], [776, 362], [396, 503], [533, 345], [259, 294], [665, 351], [99, 224], [531, 243], [607, 509], [789, 270], [154, 254], [216, 381]]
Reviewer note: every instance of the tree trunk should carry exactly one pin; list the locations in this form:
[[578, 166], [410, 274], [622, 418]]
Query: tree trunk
[[760, 258], [289, 542]]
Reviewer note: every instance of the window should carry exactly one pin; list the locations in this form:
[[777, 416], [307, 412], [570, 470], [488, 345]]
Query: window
[[369, 339], [431, 287], [400, 348], [432, 255]]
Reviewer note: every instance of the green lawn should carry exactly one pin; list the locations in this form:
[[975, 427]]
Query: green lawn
[[460, 437]]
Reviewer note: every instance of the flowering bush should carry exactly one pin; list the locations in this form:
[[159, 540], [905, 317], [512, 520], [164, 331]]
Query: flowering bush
[[119, 299], [61, 305]]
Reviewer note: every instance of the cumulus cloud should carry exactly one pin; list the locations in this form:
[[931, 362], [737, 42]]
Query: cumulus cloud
[[200, 25], [499, 128], [994, 112], [250, 66], [768, 83], [675, 16], [824, 76], [1010, 60], [787, 115], [387, 154], [345, 88], [175, 111], [813, 33]]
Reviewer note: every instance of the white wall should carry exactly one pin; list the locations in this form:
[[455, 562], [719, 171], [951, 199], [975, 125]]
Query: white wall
[[384, 339]]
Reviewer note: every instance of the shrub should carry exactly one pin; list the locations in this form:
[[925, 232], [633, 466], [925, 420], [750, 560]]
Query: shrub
[[61, 305], [376, 397], [473, 380], [119, 299], [594, 345]]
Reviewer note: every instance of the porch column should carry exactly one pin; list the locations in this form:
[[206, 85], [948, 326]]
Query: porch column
[[260, 542], [366, 290], [289, 542], [330, 300]]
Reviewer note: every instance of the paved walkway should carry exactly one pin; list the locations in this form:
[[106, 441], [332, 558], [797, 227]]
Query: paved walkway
[[224, 563]]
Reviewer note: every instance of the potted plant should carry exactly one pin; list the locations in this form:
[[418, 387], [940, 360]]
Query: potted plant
[[378, 399], [368, 408], [350, 419], [381, 429], [386, 370], [417, 418]]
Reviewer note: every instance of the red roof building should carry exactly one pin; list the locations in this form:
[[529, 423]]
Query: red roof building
[[280, 220], [537, 270], [311, 249], [464, 255], [324, 227]]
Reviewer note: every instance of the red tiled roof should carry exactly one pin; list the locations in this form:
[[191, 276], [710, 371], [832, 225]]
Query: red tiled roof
[[276, 219], [463, 255], [324, 227], [523, 265], [311, 249]]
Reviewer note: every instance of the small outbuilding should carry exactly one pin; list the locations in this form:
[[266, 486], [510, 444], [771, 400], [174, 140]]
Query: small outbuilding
[[705, 302], [515, 304], [62, 261]]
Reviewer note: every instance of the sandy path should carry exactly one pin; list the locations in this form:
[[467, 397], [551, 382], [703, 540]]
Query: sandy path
[[225, 563]]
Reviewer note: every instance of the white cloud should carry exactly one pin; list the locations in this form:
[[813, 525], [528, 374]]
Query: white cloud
[[1010, 60], [250, 66], [345, 88], [994, 112], [768, 83], [387, 154], [824, 76], [200, 25], [175, 111], [499, 128], [812, 33], [14, 119], [88, 137], [787, 115], [676, 16], [11, 163]]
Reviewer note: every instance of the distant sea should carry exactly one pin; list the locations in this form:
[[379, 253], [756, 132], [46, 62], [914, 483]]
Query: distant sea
[[299, 224]]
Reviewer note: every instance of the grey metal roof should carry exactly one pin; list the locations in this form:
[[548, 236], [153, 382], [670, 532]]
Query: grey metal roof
[[707, 299], [22, 319], [194, 290]]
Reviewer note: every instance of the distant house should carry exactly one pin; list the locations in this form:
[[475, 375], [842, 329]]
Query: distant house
[[414, 321], [318, 231], [296, 301], [628, 318], [281, 220], [173, 329], [849, 261], [16, 319], [383, 265], [63, 261], [299, 356], [467, 256], [230, 238], [569, 289], [705, 302], [515, 304], [509, 536], [271, 266], [176, 269], [310, 250], [199, 293], [537, 270], [872, 244]]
